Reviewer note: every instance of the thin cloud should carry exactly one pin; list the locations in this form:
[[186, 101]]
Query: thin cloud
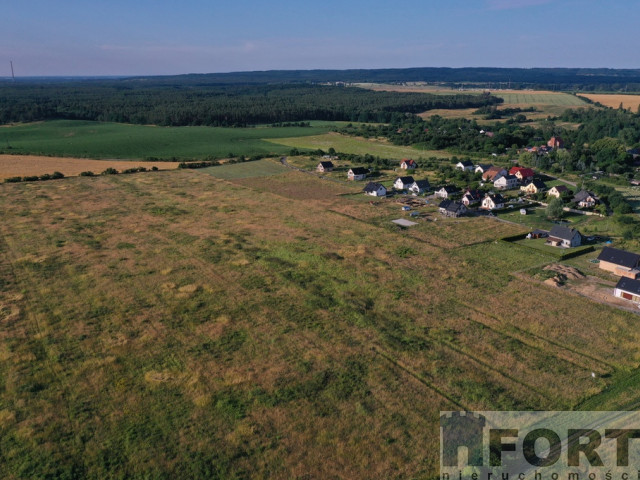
[[513, 4]]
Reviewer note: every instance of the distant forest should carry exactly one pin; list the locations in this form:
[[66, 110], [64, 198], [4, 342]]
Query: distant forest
[[170, 104]]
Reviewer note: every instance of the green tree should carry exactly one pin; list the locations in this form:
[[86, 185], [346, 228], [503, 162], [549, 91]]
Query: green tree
[[554, 208]]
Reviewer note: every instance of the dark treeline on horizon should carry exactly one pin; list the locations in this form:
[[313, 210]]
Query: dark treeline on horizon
[[230, 105]]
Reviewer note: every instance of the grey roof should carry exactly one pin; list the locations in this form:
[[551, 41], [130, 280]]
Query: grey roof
[[360, 170], [326, 164], [445, 204], [373, 187], [619, 257], [497, 198], [565, 233], [538, 183], [509, 177], [405, 180], [450, 188], [454, 207], [582, 195], [424, 184], [538, 231], [629, 285], [466, 163], [484, 166]]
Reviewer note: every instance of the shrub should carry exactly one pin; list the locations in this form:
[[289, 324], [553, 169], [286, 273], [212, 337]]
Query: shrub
[[57, 175], [110, 171], [30, 178], [87, 174], [46, 176], [13, 180]]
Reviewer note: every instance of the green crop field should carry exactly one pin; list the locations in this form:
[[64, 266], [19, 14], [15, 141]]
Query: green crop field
[[112, 140], [180, 325], [357, 146]]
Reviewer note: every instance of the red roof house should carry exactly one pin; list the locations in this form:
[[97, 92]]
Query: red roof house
[[522, 173]]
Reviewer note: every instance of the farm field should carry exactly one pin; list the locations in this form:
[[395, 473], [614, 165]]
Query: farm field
[[629, 102], [68, 138], [182, 325], [357, 146], [28, 165], [258, 168]]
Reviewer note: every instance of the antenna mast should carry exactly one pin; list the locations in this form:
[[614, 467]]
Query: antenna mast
[[13, 77]]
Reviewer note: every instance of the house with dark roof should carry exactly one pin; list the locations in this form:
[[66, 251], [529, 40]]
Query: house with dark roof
[[408, 164], [471, 197], [325, 167], [482, 167], [450, 208], [465, 165], [375, 189], [533, 186], [357, 173], [506, 182], [538, 233], [585, 199], [492, 202], [564, 237], [629, 289], [619, 262], [557, 191], [420, 186], [403, 183], [447, 191]]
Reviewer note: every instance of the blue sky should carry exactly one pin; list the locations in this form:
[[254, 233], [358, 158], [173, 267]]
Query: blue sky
[[145, 37]]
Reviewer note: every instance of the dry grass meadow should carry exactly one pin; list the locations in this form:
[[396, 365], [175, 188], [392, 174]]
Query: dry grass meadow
[[629, 102], [33, 165], [182, 325]]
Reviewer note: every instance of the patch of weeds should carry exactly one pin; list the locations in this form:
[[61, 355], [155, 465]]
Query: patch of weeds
[[125, 246]]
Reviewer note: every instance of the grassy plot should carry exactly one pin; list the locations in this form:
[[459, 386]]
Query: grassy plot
[[259, 168], [112, 140], [179, 325], [357, 146]]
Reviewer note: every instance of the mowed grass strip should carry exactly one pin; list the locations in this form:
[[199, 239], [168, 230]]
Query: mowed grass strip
[[258, 168], [357, 146], [70, 138]]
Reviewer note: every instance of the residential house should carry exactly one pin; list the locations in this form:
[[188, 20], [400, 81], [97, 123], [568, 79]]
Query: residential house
[[471, 197], [585, 199], [555, 143], [629, 289], [450, 208], [557, 191], [506, 182], [537, 233], [493, 173], [447, 191], [492, 202], [619, 262], [375, 189], [419, 187], [523, 174], [403, 183], [634, 152], [482, 167], [533, 186], [325, 167], [408, 164], [565, 237], [357, 173], [465, 166]]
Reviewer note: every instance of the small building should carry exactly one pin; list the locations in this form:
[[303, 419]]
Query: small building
[[537, 233], [557, 191], [403, 183], [471, 197], [564, 237], [375, 189], [357, 173], [325, 167], [533, 186], [493, 173], [523, 211], [447, 191], [506, 182], [419, 187], [629, 289], [465, 166], [619, 262], [482, 167], [492, 202], [522, 174], [585, 199], [450, 208], [555, 143], [408, 164]]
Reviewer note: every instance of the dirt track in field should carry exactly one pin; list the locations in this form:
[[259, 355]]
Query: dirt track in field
[[28, 165]]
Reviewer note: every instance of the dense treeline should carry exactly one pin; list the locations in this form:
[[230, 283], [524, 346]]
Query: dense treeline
[[584, 79], [216, 105]]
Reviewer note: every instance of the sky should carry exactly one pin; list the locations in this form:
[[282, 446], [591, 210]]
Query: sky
[[166, 37]]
